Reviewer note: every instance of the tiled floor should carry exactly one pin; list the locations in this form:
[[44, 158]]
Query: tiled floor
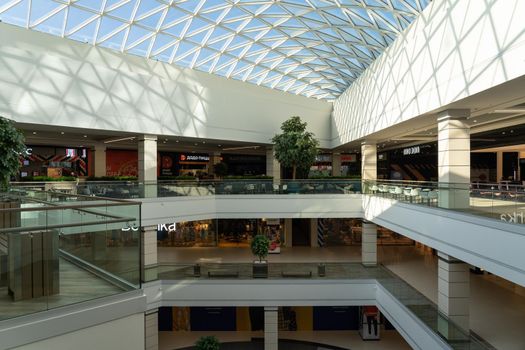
[[390, 340], [497, 306]]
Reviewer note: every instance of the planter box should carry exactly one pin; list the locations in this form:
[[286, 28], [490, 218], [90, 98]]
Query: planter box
[[260, 269]]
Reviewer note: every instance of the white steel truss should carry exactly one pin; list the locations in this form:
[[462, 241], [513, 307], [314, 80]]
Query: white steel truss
[[315, 48]]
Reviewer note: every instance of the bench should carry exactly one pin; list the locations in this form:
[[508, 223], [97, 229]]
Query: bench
[[223, 273], [297, 274]]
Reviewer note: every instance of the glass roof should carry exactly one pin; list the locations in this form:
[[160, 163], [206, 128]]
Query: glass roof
[[315, 48]]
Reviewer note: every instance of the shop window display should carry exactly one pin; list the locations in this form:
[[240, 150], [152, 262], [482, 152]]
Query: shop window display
[[189, 234], [345, 232]]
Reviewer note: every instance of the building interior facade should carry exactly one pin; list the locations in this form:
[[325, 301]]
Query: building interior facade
[[149, 171]]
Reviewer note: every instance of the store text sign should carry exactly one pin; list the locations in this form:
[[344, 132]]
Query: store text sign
[[411, 150], [160, 227], [513, 218], [194, 158]]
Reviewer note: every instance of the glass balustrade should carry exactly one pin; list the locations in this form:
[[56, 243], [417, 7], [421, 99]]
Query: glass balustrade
[[135, 189], [503, 202], [425, 310], [59, 249]]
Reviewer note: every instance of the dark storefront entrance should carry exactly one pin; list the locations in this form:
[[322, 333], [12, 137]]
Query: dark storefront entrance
[[300, 232]]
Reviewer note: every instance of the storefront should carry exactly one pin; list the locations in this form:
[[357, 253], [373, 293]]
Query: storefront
[[418, 163], [351, 164], [54, 161], [245, 164], [202, 233], [348, 232], [322, 166], [122, 162], [220, 232], [179, 164]]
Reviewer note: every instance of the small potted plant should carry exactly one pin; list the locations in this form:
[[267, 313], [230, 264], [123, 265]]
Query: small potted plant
[[260, 245], [207, 343]]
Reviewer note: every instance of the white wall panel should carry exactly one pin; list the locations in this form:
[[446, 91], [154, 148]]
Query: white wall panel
[[173, 209], [55, 81], [486, 243], [124, 333], [455, 49]]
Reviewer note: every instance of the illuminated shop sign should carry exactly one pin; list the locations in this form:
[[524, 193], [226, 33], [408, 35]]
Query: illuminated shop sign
[[26, 152], [323, 158], [194, 158], [411, 150], [349, 158]]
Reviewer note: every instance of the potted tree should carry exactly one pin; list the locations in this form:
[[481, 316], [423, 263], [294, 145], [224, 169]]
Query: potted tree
[[260, 245], [207, 343], [12, 147], [295, 148]]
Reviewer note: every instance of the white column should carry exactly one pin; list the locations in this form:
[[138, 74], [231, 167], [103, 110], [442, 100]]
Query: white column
[[369, 244], [99, 159], [368, 164], [313, 233], [148, 164], [273, 167], [336, 164], [368, 160], [151, 330], [499, 166], [454, 158], [271, 331], [453, 293], [149, 253]]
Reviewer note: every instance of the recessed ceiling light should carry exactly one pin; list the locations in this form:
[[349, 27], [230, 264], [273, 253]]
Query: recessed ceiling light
[[219, 145], [512, 131], [85, 135], [196, 144], [475, 121], [61, 133], [203, 141], [503, 133], [165, 140], [176, 140], [34, 132]]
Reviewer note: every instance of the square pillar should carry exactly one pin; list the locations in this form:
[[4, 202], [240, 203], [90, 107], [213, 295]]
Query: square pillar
[[336, 164], [151, 330], [273, 167], [368, 164], [313, 233], [147, 164], [149, 253], [369, 244], [99, 159], [215, 158], [271, 331], [288, 233], [453, 295], [454, 159], [499, 166]]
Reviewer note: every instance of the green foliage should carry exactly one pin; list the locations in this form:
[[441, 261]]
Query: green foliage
[[295, 147], [249, 177], [220, 169], [11, 147], [179, 177], [44, 178], [208, 343], [112, 178], [260, 245]]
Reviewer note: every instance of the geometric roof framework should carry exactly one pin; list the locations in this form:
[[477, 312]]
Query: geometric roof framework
[[313, 48]]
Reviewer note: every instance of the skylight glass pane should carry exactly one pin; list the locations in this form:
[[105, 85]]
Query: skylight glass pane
[[316, 48]]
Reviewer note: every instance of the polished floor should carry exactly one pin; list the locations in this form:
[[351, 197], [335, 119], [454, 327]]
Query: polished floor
[[497, 306], [390, 340], [76, 285]]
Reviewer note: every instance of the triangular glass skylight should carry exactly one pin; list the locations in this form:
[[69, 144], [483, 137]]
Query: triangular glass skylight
[[315, 48]]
